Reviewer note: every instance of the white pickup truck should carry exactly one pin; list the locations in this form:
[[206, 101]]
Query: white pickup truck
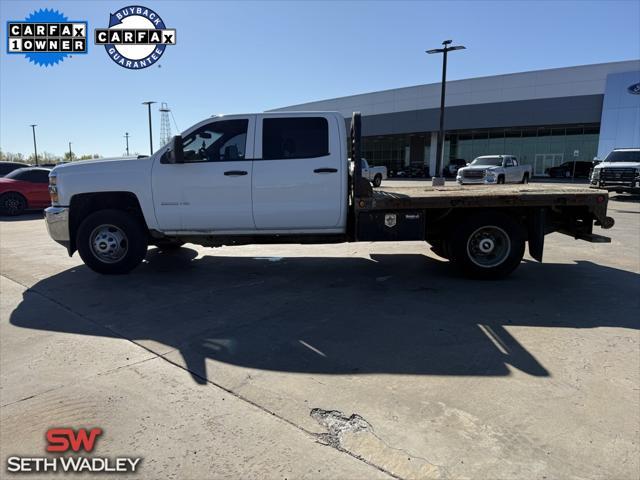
[[374, 174], [284, 178], [494, 169], [618, 172]]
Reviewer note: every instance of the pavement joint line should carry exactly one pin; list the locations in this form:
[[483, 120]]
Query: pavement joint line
[[230, 392], [105, 372]]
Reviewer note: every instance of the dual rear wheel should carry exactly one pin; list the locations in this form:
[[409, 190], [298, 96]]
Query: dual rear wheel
[[486, 246]]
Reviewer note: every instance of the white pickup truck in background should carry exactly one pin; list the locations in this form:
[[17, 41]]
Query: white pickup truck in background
[[374, 174], [284, 178], [619, 172], [494, 169]]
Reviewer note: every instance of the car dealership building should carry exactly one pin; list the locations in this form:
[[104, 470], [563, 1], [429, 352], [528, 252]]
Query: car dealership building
[[544, 117]]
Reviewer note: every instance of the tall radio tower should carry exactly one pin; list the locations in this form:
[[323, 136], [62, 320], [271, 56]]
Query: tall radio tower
[[165, 125]]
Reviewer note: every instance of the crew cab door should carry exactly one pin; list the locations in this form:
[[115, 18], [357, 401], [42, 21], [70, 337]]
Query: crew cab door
[[211, 190], [511, 171], [299, 174]]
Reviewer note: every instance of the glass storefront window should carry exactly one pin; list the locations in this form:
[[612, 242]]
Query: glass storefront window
[[540, 147]]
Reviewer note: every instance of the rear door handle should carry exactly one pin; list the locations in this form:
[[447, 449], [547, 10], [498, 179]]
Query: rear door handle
[[325, 170], [235, 173]]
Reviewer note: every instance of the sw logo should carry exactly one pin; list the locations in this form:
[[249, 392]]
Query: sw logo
[[64, 439], [136, 38], [46, 37], [68, 440]]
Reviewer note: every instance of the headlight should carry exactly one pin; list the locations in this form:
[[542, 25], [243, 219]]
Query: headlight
[[53, 189], [596, 174], [489, 174]]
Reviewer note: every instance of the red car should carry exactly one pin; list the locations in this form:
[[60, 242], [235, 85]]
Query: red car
[[24, 189]]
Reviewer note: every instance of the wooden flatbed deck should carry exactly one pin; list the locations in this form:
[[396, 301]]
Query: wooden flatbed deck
[[530, 195]]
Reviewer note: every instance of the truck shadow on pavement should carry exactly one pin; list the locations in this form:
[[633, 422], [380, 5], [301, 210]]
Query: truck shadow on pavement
[[394, 314]]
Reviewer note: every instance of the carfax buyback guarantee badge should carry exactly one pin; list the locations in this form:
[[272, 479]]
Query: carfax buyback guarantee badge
[[136, 38], [46, 37]]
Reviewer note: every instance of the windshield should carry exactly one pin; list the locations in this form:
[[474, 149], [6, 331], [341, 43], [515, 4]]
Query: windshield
[[623, 156], [488, 161]]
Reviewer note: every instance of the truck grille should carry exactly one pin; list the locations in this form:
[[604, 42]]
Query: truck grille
[[618, 174], [473, 174]]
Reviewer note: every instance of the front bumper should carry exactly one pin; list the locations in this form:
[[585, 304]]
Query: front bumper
[[57, 220], [476, 181], [617, 186]]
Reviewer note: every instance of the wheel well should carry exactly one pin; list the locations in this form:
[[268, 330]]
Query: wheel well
[[84, 204]]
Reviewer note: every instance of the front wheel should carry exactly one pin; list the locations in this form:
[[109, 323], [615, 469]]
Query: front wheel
[[501, 180], [377, 180], [111, 242], [487, 246]]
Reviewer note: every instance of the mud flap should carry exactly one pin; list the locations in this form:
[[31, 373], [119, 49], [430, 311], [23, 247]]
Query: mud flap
[[536, 233]]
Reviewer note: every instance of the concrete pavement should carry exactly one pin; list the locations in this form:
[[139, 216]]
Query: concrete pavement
[[353, 361]]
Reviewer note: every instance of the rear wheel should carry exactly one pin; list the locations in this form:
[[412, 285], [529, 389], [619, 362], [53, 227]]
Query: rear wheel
[[111, 242], [525, 178], [487, 246], [377, 180], [12, 204]]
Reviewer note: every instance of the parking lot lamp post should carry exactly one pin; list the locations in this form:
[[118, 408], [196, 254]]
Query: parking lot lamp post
[[437, 179], [35, 148], [70, 152], [126, 136], [148, 104]]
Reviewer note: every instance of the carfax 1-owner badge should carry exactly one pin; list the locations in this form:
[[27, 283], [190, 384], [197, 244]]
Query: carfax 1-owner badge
[[46, 37], [136, 38]]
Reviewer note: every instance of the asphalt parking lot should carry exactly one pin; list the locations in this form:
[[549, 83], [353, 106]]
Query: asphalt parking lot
[[350, 361]]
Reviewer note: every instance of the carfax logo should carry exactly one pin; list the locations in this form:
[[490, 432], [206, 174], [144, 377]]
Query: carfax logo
[[46, 37], [136, 38]]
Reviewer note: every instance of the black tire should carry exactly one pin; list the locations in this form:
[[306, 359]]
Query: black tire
[[377, 180], [500, 179], [525, 179], [487, 245], [12, 204], [112, 225]]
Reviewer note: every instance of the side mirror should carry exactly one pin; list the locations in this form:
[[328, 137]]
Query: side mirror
[[175, 154]]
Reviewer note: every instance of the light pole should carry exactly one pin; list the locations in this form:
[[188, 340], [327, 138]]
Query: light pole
[[148, 104], [126, 136], [437, 179], [35, 148], [70, 152]]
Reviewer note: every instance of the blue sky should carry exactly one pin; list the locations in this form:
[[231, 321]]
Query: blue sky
[[246, 56]]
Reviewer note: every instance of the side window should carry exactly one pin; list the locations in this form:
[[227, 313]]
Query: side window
[[364, 163], [295, 137], [514, 160], [224, 140], [34, 176], [508, 162]]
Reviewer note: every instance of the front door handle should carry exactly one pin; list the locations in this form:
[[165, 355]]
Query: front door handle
[[235, 173], [325, 170]]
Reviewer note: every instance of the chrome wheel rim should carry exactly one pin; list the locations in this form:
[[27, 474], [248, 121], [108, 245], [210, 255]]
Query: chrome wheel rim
[[108, 243], [488, 246]]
